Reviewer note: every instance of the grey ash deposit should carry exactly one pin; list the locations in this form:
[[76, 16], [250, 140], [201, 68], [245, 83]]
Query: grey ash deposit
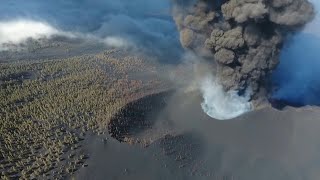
[[137, 117]]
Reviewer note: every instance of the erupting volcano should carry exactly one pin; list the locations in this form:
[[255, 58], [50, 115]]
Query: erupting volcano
[[243, 38], [159, 89]]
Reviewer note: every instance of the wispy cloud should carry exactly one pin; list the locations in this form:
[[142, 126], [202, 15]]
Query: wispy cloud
[[19, 31]]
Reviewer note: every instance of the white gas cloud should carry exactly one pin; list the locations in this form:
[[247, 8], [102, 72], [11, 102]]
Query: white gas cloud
[[18, 31], [117, 42], [222, 105]]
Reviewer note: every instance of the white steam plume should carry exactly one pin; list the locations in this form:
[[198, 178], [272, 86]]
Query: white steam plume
[[19, 31], [222, 105], [117, 42]]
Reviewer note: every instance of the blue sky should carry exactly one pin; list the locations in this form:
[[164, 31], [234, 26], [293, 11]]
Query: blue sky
[[298, 74], [314, 26]]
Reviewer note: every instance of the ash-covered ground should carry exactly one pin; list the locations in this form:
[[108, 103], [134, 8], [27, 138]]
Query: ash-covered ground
[[182, 142], [106, 114]]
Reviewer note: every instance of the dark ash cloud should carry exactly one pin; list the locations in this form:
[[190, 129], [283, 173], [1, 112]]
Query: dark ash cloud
[[243, 38]]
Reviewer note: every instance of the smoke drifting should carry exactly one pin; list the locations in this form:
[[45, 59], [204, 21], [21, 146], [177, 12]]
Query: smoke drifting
[[19, 31], [244, 37], [143, 25], [222, 105]]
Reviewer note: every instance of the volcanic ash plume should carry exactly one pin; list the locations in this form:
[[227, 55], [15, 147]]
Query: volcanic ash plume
[[242, 37]]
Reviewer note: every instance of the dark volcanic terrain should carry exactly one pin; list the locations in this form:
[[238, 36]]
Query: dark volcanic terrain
[[106, 114], [265, 144]]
